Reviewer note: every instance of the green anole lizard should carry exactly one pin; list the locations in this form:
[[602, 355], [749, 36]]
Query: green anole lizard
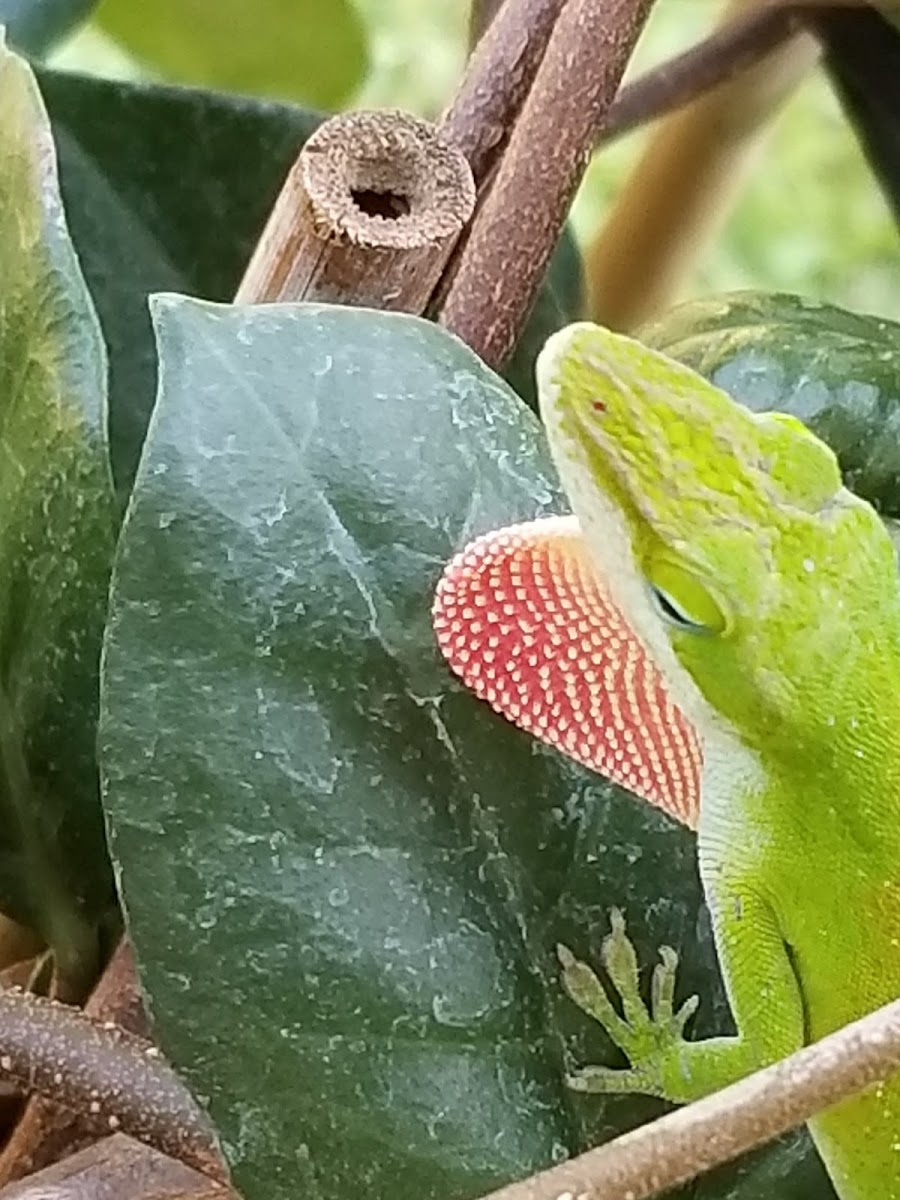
[[716, 627]]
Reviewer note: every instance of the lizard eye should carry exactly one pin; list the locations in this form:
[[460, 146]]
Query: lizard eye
[[682, 600], [668, 609]]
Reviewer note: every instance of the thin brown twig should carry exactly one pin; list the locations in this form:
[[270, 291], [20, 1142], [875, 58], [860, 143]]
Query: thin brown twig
[[678, 1147], [481, 13], [514, 233], [721, 56], [113, 1169], [497, 79], [725, 53], [508, 40], [45, 1131], [113, 1079]]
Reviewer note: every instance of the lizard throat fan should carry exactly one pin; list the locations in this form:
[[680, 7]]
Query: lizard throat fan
[[522, 617]]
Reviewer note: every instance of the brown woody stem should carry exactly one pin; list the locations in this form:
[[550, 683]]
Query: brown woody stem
[[498, 78], [684, 1144], [518, 226], [481, 13], [725, 53], [47, 1132], [116, 1168], [739, 44], [115, 1081], [368, 216], [510, 46]]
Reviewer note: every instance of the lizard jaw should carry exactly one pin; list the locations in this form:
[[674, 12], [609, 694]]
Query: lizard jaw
[[523, 618], [609, 534]]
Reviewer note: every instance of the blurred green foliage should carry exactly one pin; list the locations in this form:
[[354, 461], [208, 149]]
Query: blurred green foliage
[[812, 222], [277, 49]]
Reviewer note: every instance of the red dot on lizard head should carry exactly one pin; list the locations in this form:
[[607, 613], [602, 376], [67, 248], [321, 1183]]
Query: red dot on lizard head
[[599, 406]]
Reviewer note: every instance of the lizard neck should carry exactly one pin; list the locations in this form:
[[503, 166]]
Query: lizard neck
[[838, 766]]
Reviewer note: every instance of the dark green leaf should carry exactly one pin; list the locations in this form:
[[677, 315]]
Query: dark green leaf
[[35, 26], [344, 876], [165, 189], [280, 49], [55, 548], [837, 371], [862, 57]]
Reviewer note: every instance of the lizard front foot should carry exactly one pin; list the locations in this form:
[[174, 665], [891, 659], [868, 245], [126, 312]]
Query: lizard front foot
[[651, 1040]]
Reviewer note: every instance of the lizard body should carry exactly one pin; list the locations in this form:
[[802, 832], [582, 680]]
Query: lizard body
[[717, 628]]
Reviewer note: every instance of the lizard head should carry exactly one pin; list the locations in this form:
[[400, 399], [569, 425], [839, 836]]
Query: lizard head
[[714, 579], [753, 577]]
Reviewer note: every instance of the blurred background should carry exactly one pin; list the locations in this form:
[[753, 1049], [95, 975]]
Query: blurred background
[[811, 221]]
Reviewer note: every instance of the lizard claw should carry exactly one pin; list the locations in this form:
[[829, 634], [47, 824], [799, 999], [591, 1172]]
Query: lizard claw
[[647, 1037], [606, 1081]]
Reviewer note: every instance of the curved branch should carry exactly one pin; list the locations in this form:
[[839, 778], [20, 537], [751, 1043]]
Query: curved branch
[[684, 1144], [724, 54], [114, 1080], [514, 234]]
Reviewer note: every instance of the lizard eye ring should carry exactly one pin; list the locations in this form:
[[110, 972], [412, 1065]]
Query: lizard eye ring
[[681, 598], [671, 612]]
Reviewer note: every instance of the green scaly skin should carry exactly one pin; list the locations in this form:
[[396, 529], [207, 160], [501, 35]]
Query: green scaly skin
[[768, 595]]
